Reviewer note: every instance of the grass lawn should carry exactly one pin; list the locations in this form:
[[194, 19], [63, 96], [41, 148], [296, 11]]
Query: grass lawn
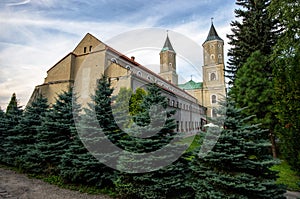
[[287, 176]]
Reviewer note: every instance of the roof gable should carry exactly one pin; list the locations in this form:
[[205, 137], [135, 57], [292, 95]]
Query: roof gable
[[87, 44]]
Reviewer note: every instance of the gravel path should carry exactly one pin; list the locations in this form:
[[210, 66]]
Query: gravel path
[[18, 186]]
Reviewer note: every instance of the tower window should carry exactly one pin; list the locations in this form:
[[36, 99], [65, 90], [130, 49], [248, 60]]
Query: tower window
[[84, 50], [213, 99], [212, 56], [213, 77], [90, 48], [170, 64]]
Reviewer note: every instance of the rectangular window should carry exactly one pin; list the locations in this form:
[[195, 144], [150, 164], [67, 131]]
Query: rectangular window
[[90, 48], [84, 50]]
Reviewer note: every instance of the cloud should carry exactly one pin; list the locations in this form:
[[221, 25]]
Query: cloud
[[35, 34]]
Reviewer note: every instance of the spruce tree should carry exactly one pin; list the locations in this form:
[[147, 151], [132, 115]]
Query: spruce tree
[[285, 60], [56, 132], [26, 132], [12, 117], [82, 161], [239, 164], [255, 30], [144, 178], [3, 134]]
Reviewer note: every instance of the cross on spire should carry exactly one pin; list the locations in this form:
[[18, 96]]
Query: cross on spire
[[212, 20]]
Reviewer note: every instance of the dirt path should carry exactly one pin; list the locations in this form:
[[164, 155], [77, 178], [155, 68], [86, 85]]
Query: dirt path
[[18, 186]]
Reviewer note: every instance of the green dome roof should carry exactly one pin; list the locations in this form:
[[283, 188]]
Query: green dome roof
[[190, 85]]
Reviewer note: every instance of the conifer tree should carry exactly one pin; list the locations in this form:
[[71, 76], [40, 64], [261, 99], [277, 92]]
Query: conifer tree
[[3, 133], [13, 115], [239, 164], [255, 30], [27, 130], [254, 89], [81, 162], [148, 135], [285, 60], [56, 133]]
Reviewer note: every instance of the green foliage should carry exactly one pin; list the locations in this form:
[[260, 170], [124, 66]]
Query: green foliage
[[148, 134], [285, 60], [238, 165], [255, 30], [78, 165], [24, 138], [56, 132], [254, 90], [136, 100], [121, 108], [287, 176], [10, 121]]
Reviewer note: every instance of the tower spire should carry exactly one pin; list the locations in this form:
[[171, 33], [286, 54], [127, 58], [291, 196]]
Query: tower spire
[[167, 45], [213, 35]]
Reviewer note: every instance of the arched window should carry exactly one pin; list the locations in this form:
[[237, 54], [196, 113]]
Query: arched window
[[139, 73], [213, 77], [114, 60], [128, 67], [213, 99], [212, 56]]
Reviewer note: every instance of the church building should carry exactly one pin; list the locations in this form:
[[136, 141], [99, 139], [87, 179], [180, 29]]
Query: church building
[[193, 101]]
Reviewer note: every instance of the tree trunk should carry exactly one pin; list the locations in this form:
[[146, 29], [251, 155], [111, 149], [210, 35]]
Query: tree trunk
[[273, 146]]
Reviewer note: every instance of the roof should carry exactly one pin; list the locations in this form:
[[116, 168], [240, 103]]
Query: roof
[[167, 45], [190, 85], [213, 35]]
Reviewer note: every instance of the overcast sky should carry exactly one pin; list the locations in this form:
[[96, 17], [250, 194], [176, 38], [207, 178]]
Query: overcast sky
[[35, 34]]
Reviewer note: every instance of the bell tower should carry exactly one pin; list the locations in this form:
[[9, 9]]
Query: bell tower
[[168, 63], [213, 71]]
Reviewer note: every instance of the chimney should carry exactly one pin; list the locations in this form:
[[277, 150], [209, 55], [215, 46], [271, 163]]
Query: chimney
[[132, 58]]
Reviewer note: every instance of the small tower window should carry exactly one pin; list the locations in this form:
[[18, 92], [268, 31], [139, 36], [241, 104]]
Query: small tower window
[[84, 50], [213, 77], [213, 99], [90, 49], [212, 56], [170, 64]]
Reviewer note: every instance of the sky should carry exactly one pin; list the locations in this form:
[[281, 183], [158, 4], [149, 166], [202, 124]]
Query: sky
[[36, 34]]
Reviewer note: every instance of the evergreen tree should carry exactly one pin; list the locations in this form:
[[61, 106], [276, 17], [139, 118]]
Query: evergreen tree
[[285, 60], [239, 164], [254, 89], [26, 132], [56, 133], [3, 134], [81, 161], [146, 136], [12, 117], [255, 30]]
